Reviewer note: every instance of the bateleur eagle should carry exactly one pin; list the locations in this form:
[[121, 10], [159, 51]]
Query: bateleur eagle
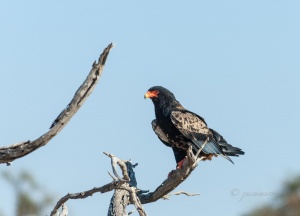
[[180, 128]]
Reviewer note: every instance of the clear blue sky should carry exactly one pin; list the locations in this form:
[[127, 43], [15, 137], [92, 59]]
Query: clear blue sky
[[235, 63]]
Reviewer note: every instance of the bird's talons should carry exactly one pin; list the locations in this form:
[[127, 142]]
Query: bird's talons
[[178, 166], [180, 163]]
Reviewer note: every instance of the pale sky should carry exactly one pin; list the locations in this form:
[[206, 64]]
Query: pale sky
[[235, 63]]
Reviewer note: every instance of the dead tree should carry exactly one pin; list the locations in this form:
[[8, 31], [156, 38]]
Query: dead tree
[[125, 188], [21, 149], [126, 191]]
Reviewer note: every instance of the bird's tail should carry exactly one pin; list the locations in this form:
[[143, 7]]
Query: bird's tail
[[228, 149]]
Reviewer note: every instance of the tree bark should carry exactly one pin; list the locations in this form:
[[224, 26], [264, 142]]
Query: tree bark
[[21, 149], [126, 190], [118, 203], [125, 187]]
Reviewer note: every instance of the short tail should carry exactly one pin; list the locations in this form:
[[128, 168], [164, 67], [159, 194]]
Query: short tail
[[228, 149]]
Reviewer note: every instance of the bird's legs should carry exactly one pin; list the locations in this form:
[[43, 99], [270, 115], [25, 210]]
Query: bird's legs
[[180, 163], [179, 166]]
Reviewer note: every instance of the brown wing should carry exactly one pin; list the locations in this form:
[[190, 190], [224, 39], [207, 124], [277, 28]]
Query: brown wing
[[195, 129], [188, 124]]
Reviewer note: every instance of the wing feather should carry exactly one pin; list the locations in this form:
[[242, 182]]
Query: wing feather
[[178, 153], [159, 133], [194, 128]]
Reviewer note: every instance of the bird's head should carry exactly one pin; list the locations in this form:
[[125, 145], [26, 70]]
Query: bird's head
[[160, 95]]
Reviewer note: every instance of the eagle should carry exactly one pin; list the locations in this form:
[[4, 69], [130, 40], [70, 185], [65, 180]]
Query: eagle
[[180, 128]]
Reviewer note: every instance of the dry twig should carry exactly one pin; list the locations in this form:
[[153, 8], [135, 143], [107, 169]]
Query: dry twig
[[121, 163], [81, 195], [166, 197]]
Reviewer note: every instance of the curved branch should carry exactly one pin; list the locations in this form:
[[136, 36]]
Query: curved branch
[[128, 185], [81, 195], [18, 150], [121, 163], [166, 197], [64, 210], [176, 177], [116, 206]]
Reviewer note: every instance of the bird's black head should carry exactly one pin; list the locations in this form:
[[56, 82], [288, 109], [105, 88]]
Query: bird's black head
[[160, 95]]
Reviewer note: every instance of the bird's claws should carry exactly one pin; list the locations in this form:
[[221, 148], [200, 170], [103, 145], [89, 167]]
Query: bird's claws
[[179, 166], [180, 163]]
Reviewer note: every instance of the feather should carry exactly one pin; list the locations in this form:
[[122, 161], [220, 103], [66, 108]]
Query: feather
[[180, 128]]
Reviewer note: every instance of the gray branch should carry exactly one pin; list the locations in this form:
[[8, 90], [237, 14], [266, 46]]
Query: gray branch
[[126, 191], [166, 197], [82, 195], [176, 178], [18, 150], [64, 210], [118, 203]]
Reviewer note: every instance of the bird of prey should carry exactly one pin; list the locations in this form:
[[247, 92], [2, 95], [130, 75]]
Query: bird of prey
[[180, 128]]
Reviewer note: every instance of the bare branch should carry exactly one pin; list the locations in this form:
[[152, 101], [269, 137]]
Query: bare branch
[[166, 197], [131, 212], [18, 150], [81, 195], [121, 163], [64, 210], [115, 185], [134, 199], [126, 191], [114, 178], [175, 178]]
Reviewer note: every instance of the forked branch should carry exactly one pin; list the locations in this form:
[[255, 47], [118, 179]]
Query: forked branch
[[126, 186]]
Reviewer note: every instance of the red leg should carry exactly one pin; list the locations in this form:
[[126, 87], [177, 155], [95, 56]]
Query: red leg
[[180, 163], [179, 166]]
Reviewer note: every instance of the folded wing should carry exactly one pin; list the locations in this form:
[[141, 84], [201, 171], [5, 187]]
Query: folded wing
[[194, 128]]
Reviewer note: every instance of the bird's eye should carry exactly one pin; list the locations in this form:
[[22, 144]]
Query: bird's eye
[[156, 92]]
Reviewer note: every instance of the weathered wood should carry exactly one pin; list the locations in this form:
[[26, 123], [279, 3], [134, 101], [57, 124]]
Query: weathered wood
[[126, 190], [81, 195], [176, 177], [18, 150], [118, 203]]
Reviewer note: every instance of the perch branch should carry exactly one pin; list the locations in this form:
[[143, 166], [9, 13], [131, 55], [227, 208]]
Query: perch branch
[[18, 150], [176, 178], [128, 185]]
